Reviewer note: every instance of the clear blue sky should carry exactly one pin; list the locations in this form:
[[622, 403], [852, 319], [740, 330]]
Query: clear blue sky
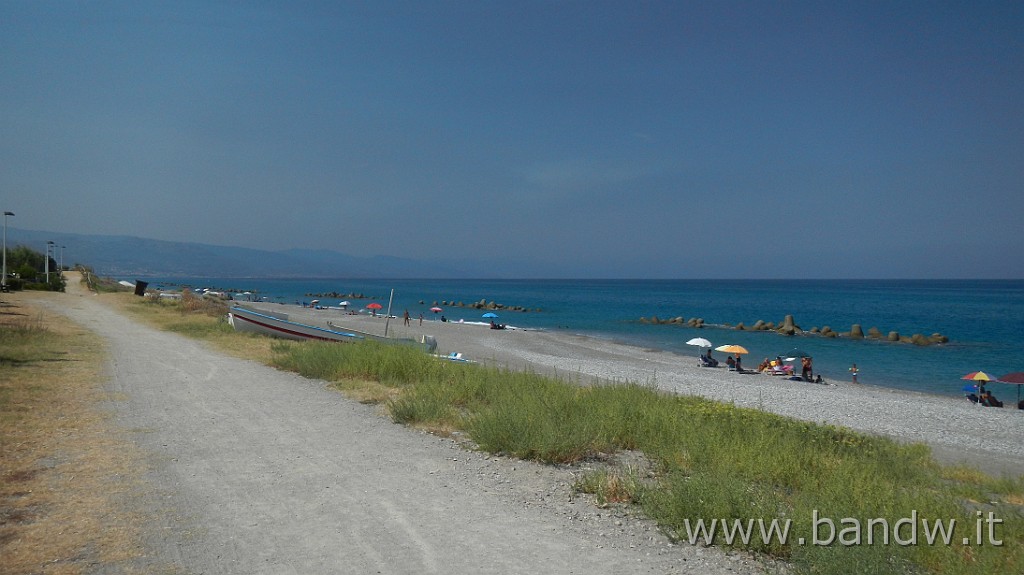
[[608, 139]]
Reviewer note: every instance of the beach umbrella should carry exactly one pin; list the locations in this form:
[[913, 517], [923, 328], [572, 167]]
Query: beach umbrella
[[732, 348], [977, 376], [436, 309], [374, 305], [490, 315], [794, 353], [1015, 378], [699, 342]]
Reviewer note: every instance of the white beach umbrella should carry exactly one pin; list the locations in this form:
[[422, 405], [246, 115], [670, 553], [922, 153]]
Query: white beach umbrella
[[699, 342]]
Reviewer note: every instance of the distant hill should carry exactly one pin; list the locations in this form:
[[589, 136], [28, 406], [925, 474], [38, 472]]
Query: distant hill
[[129, 256]]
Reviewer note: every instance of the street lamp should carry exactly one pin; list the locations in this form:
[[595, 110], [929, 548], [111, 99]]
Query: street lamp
[[3, 280], [62, 261], [49, 244]]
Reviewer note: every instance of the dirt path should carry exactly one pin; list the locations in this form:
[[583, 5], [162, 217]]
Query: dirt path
[[252, 470]]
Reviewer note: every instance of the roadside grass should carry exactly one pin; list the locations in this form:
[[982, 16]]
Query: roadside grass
[[195, 317], [23, 338], [64, 472], [711, 461]]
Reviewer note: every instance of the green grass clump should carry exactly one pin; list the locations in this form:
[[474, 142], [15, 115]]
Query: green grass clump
[[712, 460]]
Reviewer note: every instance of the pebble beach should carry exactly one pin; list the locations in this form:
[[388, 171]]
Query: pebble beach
[[956, 430]]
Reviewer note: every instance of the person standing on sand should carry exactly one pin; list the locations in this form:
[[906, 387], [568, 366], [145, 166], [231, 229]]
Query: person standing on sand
[[421, 318], [853, 372], [405, 317]]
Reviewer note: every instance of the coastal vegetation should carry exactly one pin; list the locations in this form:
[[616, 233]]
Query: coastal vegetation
[[704, 460], [27, 269]]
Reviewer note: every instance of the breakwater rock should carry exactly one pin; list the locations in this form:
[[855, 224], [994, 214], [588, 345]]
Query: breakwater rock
[[483, 305], [679, 320], [338, 295], [789, 327]]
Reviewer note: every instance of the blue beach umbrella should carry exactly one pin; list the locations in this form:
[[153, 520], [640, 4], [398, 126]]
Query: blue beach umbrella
[[490, 315]]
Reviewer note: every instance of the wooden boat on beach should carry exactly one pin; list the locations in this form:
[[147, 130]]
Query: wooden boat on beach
[[277, 324]]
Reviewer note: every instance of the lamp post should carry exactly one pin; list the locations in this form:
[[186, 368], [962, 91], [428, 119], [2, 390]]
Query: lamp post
[[62, 261], [3, 280], [46, 260]]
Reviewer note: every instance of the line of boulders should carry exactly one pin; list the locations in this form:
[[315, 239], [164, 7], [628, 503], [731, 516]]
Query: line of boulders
[[679, 320], [337, 295], [483, 305], [788, 327]]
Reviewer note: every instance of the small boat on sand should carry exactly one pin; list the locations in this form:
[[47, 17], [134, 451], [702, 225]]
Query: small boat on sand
[[277, 324]]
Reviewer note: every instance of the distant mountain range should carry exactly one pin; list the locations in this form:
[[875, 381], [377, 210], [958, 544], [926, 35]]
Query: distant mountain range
[[129, 256]]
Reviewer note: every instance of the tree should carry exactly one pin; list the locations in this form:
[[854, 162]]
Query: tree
[[30, 265]]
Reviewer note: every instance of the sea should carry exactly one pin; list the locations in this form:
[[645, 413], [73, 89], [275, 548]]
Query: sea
[[983, 319]]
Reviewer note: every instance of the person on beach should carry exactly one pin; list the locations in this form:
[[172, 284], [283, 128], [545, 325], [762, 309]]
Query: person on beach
[[421, 318], [764, 365], [989, 400], [739, 363], [805, 372], [730, 362], [853, 372], [405, 317]]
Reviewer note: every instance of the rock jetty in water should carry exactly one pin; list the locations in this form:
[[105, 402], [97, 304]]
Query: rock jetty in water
[[486, 305], [789, 327]]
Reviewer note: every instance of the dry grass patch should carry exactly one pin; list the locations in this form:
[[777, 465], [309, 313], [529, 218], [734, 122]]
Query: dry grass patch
[[65, 469], [366, 391]]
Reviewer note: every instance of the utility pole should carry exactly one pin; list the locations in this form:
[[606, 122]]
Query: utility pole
[[3, 280], [46, 260]]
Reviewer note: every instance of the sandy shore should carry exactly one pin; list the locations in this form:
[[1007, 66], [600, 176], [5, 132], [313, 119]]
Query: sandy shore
[[957, 431]]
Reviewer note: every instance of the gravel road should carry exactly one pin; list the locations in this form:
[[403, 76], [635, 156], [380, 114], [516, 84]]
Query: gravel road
[[253, 470]]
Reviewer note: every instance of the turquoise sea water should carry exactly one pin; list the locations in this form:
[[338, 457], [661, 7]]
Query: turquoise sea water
[[983, 319]]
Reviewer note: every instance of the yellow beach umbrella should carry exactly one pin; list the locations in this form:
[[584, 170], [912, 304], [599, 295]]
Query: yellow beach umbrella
[[732, 348], [977, 376]]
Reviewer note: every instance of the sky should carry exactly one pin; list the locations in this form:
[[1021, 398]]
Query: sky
[[661, 139]]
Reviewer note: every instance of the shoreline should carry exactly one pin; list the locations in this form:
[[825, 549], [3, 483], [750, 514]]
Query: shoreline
[[958, 431]]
